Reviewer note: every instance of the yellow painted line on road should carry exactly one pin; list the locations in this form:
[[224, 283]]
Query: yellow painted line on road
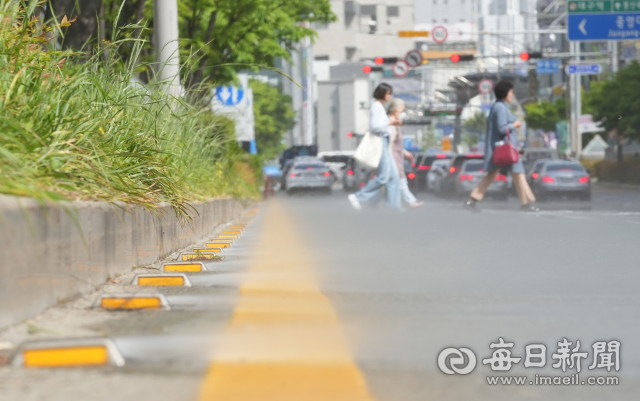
[[66, 357], [285, 341]]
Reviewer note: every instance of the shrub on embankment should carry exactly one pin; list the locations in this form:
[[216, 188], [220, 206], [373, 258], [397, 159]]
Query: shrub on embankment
[[76, 126], [627, 172]]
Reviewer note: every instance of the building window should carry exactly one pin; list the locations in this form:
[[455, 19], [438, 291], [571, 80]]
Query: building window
[[435, 20], [393, 11], [368, 10], [321, 58]]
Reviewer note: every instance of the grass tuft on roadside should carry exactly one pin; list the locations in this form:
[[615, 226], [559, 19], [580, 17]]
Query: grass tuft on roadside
[[77, 126]]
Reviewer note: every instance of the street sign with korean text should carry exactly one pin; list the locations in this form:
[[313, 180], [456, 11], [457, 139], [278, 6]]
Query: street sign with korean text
[[414, 58], [603, 20], [547, 66], [413, 34], [584, 69]]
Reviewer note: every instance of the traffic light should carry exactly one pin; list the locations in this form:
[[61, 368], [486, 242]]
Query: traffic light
[[524, 56], [385, 60], [455, 58], [349, 134], [368, 69]]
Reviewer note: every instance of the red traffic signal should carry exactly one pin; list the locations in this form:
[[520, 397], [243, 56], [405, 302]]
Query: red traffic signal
[[368, 69], [462, 57], [349, 134], [379, 60], [524, 56]]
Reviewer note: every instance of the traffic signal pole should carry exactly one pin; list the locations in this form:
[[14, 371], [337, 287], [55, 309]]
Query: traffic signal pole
[[165, 20]]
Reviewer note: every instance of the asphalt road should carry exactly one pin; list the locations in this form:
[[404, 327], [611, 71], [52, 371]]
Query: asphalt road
[[358, 305]]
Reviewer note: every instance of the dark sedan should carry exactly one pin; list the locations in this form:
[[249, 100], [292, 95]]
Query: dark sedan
[[562, 178]]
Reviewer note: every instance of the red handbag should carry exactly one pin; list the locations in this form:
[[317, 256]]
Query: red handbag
[[505, 154]]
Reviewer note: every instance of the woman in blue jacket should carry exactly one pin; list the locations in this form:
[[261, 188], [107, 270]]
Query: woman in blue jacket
[[501, 126]]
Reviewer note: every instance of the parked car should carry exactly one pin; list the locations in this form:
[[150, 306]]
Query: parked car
[[534, 171], [336, 161], [562, 178], [471, 172], [355, 175], [423, 166], [308, 173], [439, 168], [531, 155], [446, 183]]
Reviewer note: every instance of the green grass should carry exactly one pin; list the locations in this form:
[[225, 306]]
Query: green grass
[[74, 126]]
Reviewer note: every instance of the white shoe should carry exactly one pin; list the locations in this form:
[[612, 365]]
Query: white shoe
[[354, 201]]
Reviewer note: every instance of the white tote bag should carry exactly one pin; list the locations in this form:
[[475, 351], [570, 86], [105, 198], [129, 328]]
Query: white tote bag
[[369, 151]]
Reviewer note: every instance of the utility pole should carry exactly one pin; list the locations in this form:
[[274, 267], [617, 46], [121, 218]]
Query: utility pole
[[613, 46], [576, 103], [165, 16]]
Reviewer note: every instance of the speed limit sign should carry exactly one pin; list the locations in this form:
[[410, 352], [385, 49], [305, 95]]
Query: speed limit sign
[[439, 34], [400, 68], [485, 86]]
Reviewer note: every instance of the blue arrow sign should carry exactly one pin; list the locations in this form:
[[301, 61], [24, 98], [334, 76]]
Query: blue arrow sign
[[229, 96], [584, 69], [547, 66], [621, 26]]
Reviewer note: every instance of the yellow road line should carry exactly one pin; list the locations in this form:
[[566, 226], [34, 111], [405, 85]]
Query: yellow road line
[[284, 342]]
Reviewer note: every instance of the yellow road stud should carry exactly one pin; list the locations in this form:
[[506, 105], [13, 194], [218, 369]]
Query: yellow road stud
[[191, 256], [210, 249], [183, 267], [67, 353], [161, 280], [232, 232], [223, 236], [131, 303], [218, 245]]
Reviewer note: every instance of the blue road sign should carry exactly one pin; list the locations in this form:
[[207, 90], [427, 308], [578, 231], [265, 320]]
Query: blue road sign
[[614, 26], [547, 66], [584, 69], [229, 95]]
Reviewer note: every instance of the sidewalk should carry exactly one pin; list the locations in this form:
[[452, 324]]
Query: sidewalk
[[606, 186]]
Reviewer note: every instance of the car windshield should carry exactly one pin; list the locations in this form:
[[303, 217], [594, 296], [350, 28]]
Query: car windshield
[[474, 167], [459, 160], [335, 159], [565, 167], [538, 166], [308, 166]]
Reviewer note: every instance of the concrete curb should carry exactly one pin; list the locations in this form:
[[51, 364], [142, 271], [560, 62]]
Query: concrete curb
[[45, 258]]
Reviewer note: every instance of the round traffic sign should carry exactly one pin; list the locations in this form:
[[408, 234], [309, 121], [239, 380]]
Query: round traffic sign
[[400, 68], [439, 34], [485, 86], [414, 58]]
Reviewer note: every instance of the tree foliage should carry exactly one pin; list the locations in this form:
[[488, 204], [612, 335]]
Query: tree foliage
[[477, 123], [544, 115], [217, 37], [274, 116], [616, 102]]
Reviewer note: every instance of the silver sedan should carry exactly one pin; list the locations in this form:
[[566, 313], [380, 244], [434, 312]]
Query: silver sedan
[[309, 173]]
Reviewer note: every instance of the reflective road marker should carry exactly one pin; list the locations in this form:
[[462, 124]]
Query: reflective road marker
[[68, 353], [284, 342], [188, 256], [183, 267], [131, 301], [218, 245], [232, 236], [161, 279], [208, 249]]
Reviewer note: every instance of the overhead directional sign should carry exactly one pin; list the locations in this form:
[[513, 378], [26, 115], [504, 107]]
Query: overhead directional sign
[[414, 58], [603, 20], [400, 68], [547, 66], [584, 69]]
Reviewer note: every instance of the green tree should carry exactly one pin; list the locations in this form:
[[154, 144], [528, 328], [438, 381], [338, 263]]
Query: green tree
[[477, 123], [544, 115], [274, 116], [616, 103]]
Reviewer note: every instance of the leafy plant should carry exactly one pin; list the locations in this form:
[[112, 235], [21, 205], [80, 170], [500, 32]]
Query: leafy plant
[[274, 116], [544, 115], [75, 127]]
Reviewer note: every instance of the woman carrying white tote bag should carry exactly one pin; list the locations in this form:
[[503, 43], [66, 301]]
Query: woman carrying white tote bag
[[378, 136], [369, 150]]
